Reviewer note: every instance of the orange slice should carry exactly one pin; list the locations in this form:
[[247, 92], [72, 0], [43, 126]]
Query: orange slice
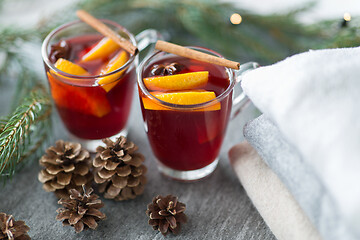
[[182, 98], [101, 50], [70, 67], [86, 100], [110, 81], [178, 82]]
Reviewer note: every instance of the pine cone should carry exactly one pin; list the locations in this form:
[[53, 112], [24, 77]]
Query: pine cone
[[166, 214], [11, 229], [67, 166], [119, 170], [81, 210]]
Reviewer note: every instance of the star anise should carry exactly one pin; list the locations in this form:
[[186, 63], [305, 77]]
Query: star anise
[[59, 50], [164, 70]]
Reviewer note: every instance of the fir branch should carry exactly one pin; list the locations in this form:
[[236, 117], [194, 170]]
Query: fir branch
[[33, 149], [11, 41], [26, 81], [14, 63], [2, 124], [10, 36], [25, 130]]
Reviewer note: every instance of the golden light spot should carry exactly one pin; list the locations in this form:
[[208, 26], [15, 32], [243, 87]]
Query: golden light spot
[[347, 16], [235, 18]]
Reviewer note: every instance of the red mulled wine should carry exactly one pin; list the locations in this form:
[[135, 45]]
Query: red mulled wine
[[186, 139], [91, 110]]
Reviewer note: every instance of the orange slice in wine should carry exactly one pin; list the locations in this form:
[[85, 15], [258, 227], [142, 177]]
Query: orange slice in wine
[[86, 100], [70, 67], [109, 82], [103, 49], [178, 82], [182, 98]]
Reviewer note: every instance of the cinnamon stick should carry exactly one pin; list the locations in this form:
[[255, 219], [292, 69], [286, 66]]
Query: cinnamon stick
[[106, 31], [193, 54]]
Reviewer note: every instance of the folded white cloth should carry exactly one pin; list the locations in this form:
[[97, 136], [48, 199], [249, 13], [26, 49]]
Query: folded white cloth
[[299, 178], [269, 195], [313, 98]]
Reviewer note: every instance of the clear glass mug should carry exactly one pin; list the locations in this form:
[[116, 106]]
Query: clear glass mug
[[92, 111], [186, 139]]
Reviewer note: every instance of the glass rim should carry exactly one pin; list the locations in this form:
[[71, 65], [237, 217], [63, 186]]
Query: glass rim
[[47, 61], [218, 99]]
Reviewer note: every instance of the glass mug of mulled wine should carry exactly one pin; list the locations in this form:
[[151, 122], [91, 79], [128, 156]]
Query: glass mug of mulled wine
[[186, 106], [92, 78]]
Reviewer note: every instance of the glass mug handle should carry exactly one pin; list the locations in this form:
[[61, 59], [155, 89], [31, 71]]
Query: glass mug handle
[[146, 38], [241, 100]]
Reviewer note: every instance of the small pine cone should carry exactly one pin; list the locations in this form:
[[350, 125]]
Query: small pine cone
[[166, 214], [67, 166], [119, 171], [11, 229], [81, 210]]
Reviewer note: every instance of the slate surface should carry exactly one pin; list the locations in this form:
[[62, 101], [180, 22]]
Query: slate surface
[[217, 207]]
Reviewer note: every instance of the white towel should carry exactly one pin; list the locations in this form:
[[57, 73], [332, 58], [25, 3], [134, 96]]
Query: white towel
[[299, 178], [269, 195], [314, 100]]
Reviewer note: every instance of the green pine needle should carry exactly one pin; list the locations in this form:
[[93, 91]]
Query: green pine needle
[[24, 131]]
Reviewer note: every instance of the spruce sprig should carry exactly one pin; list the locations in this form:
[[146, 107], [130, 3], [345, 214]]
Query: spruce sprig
[[24, 131]]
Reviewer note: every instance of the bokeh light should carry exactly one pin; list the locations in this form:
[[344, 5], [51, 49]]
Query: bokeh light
[[347, 16], [235, 19]]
